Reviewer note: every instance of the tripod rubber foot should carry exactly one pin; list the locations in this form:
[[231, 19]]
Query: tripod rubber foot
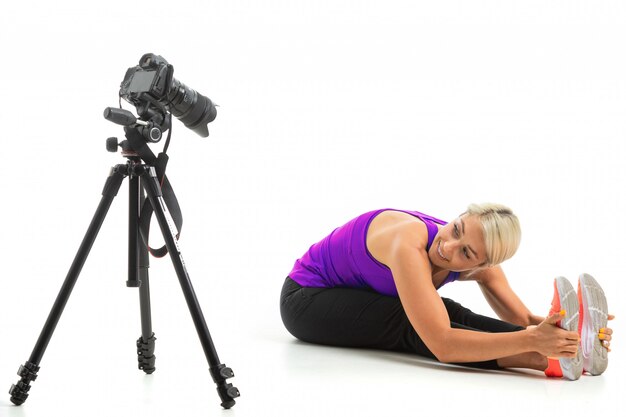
[[19, 391], [227, 399], [145, 354], [227, 392]]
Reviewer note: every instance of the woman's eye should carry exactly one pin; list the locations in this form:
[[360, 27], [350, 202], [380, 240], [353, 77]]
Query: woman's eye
[[466, 253], [456, 230]]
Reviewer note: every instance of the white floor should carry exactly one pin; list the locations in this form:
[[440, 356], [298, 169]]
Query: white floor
[[279, 376]]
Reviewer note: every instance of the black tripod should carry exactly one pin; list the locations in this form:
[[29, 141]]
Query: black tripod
[[142, 177]]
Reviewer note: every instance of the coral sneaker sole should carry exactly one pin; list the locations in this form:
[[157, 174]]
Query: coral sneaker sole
[[565, 298], [572, 367], [593, 317]]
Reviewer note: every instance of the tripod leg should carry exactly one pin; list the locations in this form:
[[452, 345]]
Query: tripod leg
[[145, 344], [219, 372], [28, 371]]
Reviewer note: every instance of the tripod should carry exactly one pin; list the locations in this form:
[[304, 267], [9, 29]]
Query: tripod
[[142, 177]]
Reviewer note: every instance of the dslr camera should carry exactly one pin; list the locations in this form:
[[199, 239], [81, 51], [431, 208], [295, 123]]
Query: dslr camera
[[153, 90]]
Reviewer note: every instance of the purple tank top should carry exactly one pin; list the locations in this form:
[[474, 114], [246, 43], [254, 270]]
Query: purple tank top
[[342, 259]]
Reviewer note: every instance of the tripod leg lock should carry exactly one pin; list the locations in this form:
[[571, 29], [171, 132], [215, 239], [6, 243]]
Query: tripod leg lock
[[227, 392], [19, 391], [145, 354]]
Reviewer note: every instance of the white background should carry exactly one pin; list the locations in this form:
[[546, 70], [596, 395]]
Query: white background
[[327, 109]]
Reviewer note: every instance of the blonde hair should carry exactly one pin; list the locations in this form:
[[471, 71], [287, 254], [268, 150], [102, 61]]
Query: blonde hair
[[501, 230]]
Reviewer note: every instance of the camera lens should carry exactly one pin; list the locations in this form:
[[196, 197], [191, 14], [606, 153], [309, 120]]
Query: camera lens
[[190, 107]]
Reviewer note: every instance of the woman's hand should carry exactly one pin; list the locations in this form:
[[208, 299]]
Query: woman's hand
[[552, 341], [605, 335]]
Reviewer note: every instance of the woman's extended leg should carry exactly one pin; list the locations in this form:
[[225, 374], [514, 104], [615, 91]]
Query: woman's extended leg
[[361, 318], [529, 360], [464, 316]]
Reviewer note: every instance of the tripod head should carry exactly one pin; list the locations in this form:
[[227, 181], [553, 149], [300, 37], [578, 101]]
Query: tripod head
[[150, 127]]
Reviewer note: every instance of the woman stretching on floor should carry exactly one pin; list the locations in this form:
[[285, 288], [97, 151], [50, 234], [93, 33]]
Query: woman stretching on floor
[[373, 283]]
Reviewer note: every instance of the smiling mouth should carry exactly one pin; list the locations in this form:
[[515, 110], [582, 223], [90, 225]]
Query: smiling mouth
[[439, 251]]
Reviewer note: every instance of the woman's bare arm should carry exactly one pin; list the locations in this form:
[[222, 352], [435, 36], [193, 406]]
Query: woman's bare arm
[[502, 299], [426, 312]]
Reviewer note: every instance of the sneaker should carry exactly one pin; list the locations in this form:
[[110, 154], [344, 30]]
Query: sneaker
[[565, 299], [593, 317]]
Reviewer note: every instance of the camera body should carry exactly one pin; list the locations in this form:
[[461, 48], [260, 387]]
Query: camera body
[[153, 90], [149, 81]]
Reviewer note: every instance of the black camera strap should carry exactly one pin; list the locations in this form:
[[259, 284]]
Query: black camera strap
[[159, 163]]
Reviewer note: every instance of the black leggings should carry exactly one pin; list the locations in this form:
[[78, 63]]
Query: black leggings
[[365, 319]]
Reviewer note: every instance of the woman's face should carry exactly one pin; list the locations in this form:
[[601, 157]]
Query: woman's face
[[459, 245]]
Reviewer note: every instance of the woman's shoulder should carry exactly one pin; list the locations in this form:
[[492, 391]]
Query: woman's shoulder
[[390, 228], [394, 223]]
